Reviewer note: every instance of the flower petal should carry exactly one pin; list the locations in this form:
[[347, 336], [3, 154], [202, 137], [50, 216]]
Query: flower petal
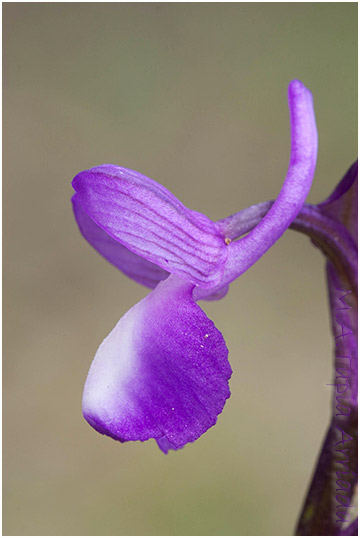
[[151, 222], [213, 294], [247, 250], [165, 445], [131, 264], [134, 266], [161, 373]]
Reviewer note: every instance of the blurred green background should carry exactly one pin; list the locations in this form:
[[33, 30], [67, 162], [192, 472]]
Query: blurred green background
[[194, 96]]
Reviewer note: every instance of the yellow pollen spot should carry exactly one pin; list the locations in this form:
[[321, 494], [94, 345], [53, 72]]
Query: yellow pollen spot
[[227, 240]]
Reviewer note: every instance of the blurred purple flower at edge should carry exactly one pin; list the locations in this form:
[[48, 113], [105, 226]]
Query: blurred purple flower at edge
[[163, 371]]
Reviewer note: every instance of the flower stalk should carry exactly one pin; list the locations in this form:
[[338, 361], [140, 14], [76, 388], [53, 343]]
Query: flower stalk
[[332, 227]]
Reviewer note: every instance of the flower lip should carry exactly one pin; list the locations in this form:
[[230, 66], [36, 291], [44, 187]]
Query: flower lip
[[147, 219], [161, 373]]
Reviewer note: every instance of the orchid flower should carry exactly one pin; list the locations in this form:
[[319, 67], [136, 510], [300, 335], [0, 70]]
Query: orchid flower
[[163, 372]]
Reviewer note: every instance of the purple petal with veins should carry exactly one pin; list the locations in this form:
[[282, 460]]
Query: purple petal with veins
[[146, 273], [161, 373], [147, 219], [131, 264]]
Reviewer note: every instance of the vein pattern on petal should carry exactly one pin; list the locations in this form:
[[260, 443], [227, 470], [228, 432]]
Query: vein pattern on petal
[[151, 222]]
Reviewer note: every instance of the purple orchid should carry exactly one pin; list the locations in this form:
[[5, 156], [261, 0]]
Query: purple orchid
[[163, 371]]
